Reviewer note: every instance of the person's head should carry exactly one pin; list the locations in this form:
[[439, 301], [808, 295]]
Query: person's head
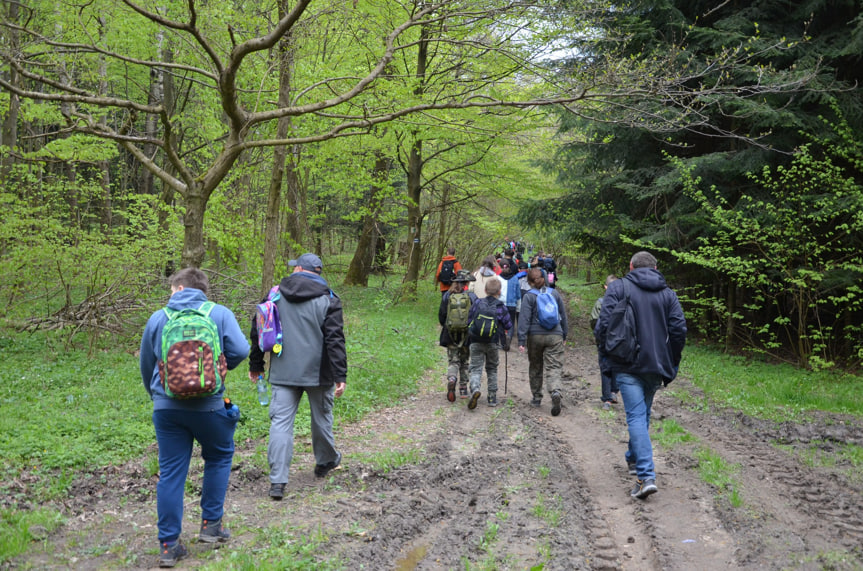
[[642, 260], [522, 265], [459, 283], [307, 263], [508, 252], [608, 279], [450, 251], [492, 288], [189, 277], [489, 262], [535, 278]]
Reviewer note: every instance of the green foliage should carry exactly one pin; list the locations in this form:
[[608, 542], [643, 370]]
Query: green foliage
[[718, 473]]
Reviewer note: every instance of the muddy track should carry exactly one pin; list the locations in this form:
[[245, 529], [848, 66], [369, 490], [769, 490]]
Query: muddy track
[[509, 487]]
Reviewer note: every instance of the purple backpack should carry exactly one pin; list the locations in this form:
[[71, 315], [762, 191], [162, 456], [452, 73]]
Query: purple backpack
[[269, 325]]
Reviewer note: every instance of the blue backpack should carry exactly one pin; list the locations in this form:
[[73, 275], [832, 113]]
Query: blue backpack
[[547, 312]]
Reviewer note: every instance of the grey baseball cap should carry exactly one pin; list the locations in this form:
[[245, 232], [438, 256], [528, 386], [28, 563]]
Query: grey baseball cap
[[309, 262]]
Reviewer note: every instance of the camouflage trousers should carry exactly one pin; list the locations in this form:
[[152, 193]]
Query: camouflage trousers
[[457, 366]]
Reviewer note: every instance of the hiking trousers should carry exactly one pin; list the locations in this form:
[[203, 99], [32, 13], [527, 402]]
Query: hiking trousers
[[545, 360], [458, 359], [283, 411], [484, 354]]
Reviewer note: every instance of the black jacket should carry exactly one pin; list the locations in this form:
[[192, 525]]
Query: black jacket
[[661, 323]]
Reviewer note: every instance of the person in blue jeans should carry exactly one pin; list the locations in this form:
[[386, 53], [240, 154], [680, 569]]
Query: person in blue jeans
[[179, 422], [661, 328]]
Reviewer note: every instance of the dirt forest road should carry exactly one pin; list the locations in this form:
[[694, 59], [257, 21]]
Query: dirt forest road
[[512, 488]]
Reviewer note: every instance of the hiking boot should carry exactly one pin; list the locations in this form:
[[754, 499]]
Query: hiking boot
[[450, 389], [462, 391], [631, 467], [277, 491], [170, 554], [643, 488], [492, 399], [321, 470], [555, 403], [536, 402], [213, 532], [473, 398]]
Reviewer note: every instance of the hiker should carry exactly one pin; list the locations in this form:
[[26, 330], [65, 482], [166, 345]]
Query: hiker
[[544, 344], [609, 386], [313, 362], [661, 328], [453, 315], [446, 270], [483, 275], [512, 299], [180, 421], [489, 322], [509, 267]]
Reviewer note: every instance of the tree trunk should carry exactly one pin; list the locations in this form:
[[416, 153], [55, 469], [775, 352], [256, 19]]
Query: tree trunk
[[364, 255], [194, 248], [280, 158], [9, 129]]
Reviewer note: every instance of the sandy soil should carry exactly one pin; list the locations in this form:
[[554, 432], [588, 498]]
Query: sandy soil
[[514, 488]]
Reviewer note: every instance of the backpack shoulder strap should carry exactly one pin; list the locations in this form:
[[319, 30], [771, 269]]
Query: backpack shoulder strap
[[206, 308]]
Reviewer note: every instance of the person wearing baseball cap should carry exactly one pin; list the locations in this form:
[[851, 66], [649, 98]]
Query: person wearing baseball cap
[[314, 362]]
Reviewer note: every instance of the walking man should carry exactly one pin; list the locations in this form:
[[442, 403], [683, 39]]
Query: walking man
[[313, 362], [179, 420], [661, 328]]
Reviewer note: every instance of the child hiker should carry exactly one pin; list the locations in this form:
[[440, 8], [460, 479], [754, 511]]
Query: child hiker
[[489, 321]]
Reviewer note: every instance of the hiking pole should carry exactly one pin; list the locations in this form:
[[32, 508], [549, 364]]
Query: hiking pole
[[505, 370]]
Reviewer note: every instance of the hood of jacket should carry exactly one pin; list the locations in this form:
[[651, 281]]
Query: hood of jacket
[[302, 286], [187, 297], [648, 279]]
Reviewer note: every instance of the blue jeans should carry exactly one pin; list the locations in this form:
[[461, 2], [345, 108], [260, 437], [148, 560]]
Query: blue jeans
[[637, 393], [176, 430]]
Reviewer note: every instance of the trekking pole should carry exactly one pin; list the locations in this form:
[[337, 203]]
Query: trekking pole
[[505, 370]]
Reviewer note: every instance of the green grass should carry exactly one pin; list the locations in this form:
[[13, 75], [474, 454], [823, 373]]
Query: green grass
[[720, 474], [19, 528], [669, 433], [771, 390]]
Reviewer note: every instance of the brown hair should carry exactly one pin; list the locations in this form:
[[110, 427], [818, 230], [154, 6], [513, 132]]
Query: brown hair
[[492, 287], [191, 277], [535, 277]]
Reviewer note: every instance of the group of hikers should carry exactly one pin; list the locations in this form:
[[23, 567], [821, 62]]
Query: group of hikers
[[188, 346], [186, 350], [638, 326]]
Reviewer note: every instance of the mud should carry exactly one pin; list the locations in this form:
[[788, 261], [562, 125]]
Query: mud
[[512, 487]]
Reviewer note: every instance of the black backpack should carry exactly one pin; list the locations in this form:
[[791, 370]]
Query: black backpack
[[447, 272], [483, 327], [621, 335]]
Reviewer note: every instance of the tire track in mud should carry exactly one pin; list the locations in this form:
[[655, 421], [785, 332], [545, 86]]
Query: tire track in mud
[[804, 516]]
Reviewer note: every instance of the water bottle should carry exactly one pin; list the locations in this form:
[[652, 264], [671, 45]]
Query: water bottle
[[233, 410], [263, 397]]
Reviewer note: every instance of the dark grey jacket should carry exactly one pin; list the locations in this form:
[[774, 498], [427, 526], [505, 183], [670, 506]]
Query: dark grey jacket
[[312, 335], [527, 321]]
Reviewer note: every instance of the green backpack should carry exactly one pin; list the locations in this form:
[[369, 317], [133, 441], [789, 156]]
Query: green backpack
[[192, 363], [457, 310]]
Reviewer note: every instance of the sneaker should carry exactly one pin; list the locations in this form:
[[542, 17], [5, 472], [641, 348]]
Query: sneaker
[[213, 532], [630, 465], [473, 398], [170, 554], [492, 399], [321, 470], [606, 405], [555, 403], [536, 402], [643, 488], [462, 391], [450, 389], [277, 491]]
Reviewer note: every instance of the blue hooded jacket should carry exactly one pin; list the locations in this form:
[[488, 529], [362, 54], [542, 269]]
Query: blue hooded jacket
[[234, 346], [661, 323]]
